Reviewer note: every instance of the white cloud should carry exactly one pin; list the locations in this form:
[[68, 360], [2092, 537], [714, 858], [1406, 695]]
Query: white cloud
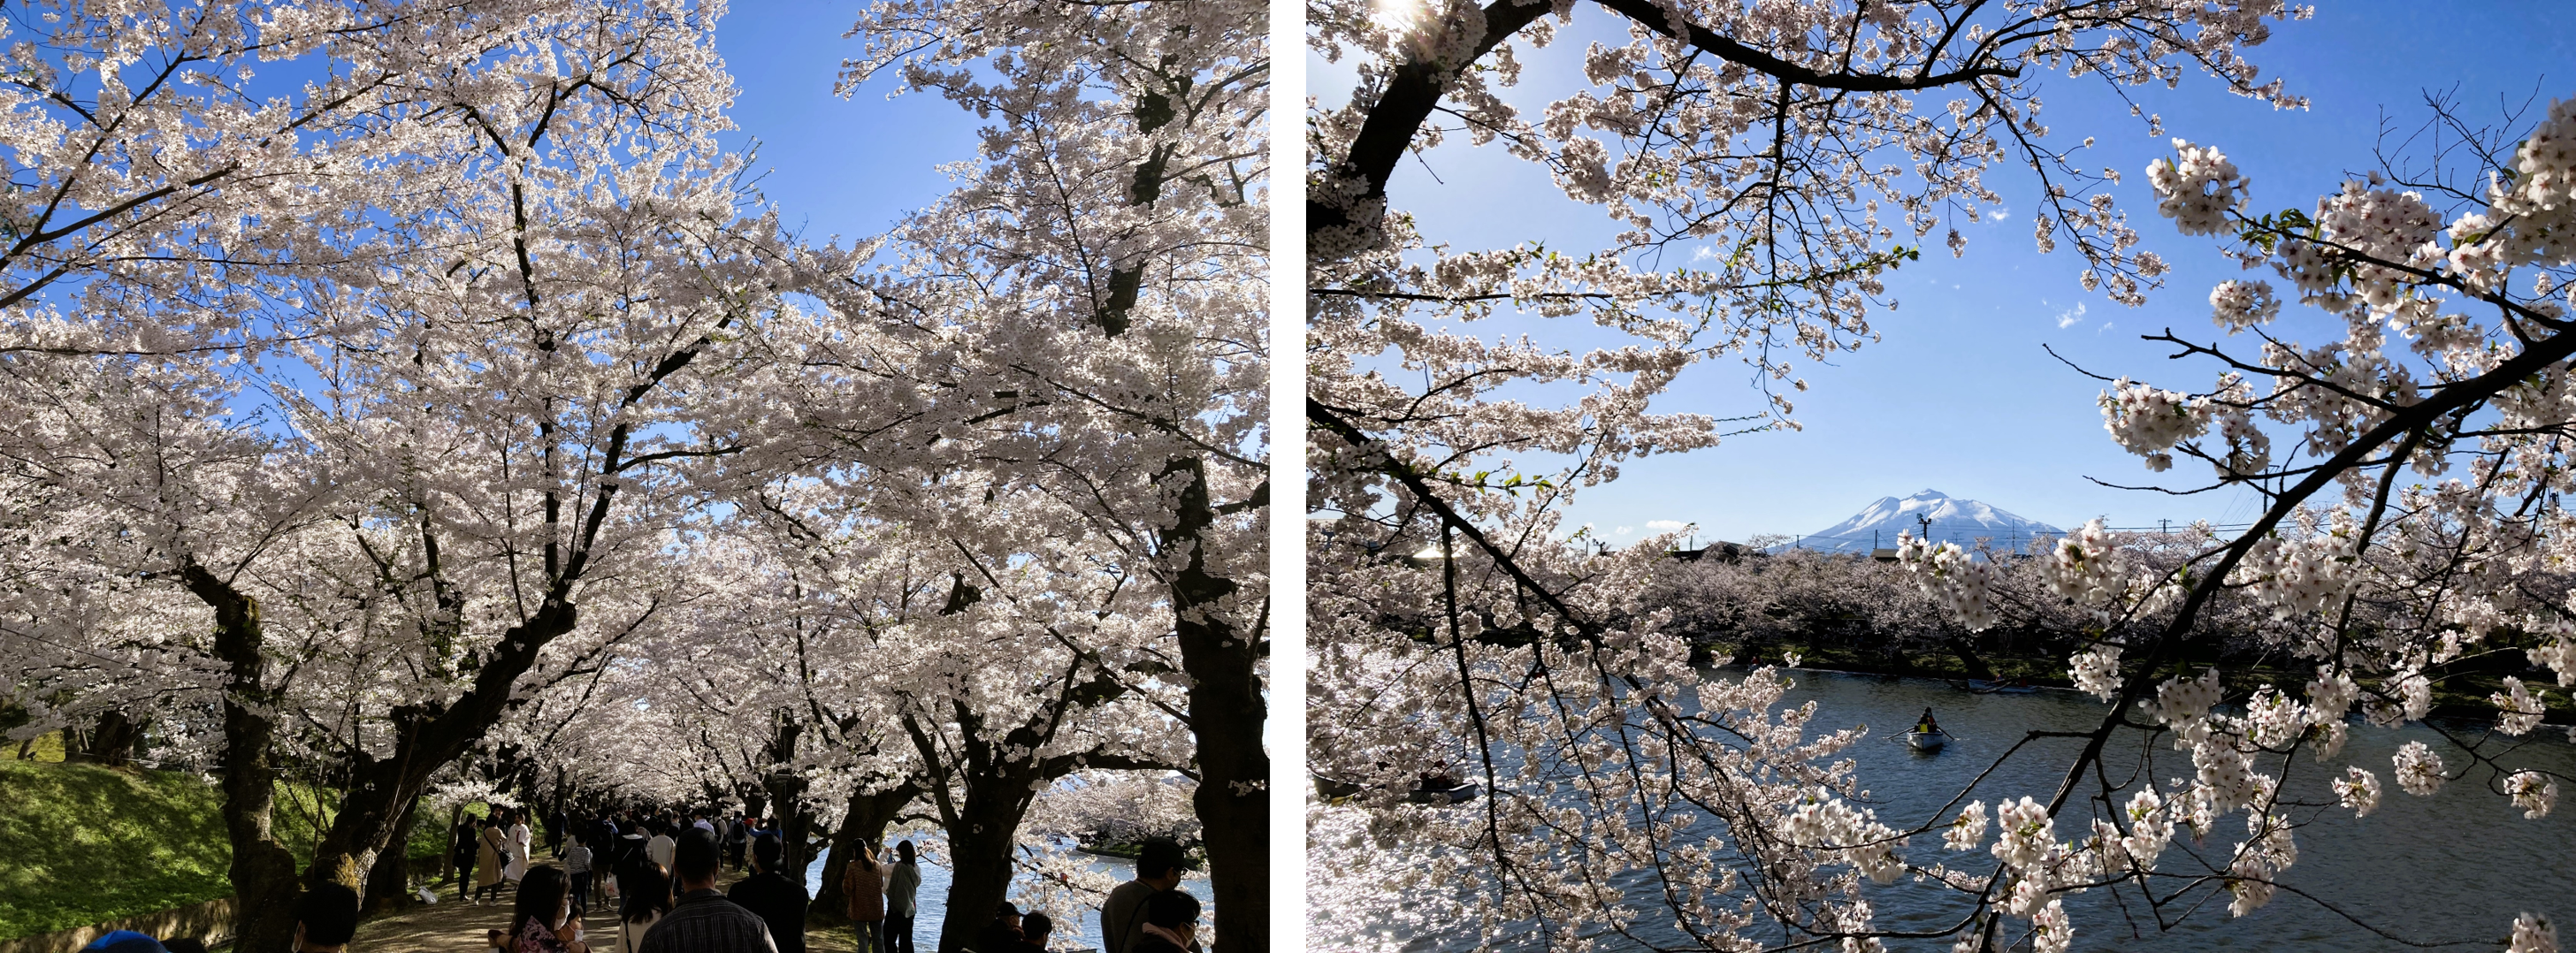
[[2106, 325], [1623, 531], [1998, 215], [2069, 318], [1665, 526]]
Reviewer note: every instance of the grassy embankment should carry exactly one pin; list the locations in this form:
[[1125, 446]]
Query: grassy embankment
[[86, 843], [2456, 694]]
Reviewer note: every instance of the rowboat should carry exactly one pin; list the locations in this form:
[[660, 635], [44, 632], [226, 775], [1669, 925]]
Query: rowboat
[[1926, 740]]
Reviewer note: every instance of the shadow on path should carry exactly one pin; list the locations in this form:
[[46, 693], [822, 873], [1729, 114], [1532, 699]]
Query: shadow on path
[[452, 927]]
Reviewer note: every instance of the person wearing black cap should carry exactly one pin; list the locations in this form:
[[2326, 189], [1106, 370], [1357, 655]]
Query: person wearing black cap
[[701, 919], [1171, 923], [1122, 916], [326, 918]]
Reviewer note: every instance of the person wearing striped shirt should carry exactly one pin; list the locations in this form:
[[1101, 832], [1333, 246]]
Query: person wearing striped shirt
[[702, 920]]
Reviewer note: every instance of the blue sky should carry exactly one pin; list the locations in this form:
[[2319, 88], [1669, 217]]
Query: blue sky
[[834, 166], [1960, 397]]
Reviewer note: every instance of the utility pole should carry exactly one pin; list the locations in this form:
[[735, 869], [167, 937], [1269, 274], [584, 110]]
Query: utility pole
[[2166, 526], [1926, 520]]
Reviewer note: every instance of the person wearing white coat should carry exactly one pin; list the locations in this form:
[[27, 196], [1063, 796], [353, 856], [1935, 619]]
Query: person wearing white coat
[[519, 854]]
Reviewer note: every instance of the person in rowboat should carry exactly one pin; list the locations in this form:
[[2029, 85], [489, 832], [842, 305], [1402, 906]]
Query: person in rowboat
[[1927, 726]]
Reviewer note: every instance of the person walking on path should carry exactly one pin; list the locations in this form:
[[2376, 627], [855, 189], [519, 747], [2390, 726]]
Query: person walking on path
[[576, 857], [863, 885], [1171, 924], [648, 898], [491, 847], [660, 848], [701, 919], [522, 851], [1122, 916], [556, 824], [778, 901], [901, 905], [736, 840], [542, 920], [464, 855]]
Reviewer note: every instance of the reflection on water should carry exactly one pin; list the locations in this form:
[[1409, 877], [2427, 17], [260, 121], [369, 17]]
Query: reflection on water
[[933, 896], [2404, 868]]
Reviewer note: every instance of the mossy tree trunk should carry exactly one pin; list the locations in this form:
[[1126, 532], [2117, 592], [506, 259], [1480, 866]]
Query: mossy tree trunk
[[263, 870]]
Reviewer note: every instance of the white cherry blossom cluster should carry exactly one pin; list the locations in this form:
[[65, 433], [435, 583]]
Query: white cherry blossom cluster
[[2182, 702], [2519, 709], [2529, 215], [2302, 575], [2197, 187], [2149, 422], [2557, 652], [2532, 933], [2358, 789], [2237, 305], [1963, 584], [1836, 832], [2087, 567], [2257, 860], [2365, 225], [1968, 829], [2096, 671], [2419, 770], [2535, 793]]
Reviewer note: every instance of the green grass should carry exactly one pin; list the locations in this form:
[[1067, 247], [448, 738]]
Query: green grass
[[87, 843]]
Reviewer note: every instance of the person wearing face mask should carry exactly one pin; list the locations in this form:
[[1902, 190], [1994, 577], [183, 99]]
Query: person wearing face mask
[[542, 921], [1171, 923]]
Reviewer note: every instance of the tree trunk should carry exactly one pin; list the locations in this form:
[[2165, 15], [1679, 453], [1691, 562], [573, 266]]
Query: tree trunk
[[866, 820], [1226, 715], [447, 847], [979, 847], [380, 789], [786, 791], [389, 881], [1968, 656], [111, 742], [263, 870]]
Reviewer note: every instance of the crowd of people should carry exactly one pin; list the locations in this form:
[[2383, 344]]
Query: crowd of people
[[661, 887]]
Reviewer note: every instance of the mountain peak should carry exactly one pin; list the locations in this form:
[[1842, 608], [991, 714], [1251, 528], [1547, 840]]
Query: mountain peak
[[1951, 520]]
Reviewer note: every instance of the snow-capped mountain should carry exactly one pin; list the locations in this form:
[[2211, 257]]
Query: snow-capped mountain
[[1953, 521]]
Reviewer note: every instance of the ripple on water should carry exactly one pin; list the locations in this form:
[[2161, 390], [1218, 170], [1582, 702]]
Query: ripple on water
[[2407, 868]]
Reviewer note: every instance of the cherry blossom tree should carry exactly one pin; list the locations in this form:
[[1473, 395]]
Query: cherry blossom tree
[[2411, 534], [1085, 318], [1463, 634]]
